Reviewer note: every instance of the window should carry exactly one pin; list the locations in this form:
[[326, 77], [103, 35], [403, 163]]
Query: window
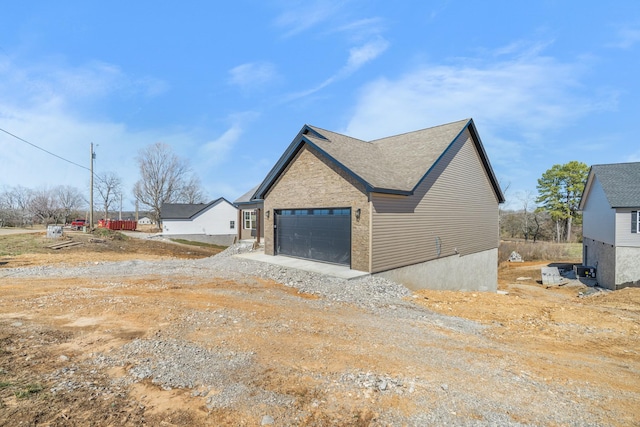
[[232, 224], [635, 222], [323, 211], [249, 219]]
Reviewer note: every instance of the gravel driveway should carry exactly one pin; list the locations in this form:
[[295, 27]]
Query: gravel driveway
[[389, 361]]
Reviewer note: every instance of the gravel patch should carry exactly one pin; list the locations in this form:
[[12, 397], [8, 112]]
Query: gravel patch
[[226, 378]]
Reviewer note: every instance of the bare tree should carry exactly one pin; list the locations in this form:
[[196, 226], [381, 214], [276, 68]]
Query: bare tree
[[109, 187], [192, 191], [527, 199], [6, 211], [162, 177], [14, 206], [70, 200], [501, 212], [509, 224], [44, 207]]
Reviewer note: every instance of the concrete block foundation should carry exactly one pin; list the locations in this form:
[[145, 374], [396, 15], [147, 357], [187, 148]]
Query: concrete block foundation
[[218, 239], [474, 272]]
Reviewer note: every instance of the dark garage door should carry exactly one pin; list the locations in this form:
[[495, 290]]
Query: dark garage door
[[318, 234]]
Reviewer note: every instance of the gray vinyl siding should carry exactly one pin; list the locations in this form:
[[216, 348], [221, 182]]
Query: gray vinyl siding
[[624, 236], [598, 218], [455, 208]]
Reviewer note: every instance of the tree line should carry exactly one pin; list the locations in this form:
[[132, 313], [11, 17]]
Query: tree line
[[167, 178], [164, 178], [553, 214]]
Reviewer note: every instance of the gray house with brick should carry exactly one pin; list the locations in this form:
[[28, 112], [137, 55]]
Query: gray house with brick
[[610, 206], [419, 208]]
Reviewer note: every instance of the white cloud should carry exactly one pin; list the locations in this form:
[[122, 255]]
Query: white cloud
[[361, 29], [626, 38], [69, 137], [300, 16], [529, 93], [46, 103], [53, 83], [217, 150], [524, 105], [251, 75], [358, 57]]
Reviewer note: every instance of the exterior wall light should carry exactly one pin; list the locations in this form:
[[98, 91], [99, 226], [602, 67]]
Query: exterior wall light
[[358, 212], [267, 214]]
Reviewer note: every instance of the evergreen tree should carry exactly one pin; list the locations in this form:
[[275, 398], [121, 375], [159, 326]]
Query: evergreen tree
[[559, 192]]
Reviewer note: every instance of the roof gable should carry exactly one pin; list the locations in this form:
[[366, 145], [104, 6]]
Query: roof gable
[[620, 183], [188, 210], [247, 197], [395, 164]]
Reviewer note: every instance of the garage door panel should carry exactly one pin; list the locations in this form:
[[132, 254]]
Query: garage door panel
[[318, 234]]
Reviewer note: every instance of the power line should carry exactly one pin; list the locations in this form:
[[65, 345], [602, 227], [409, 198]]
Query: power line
[[46, 151]]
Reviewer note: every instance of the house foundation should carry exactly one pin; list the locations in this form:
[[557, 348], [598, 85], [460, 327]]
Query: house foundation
[[214, 239], [474, 272]]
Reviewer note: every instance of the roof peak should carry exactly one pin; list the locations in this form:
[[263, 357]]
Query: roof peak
[[319, 130]]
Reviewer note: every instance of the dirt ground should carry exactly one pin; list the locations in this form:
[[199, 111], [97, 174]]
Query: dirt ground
[[559, 334]]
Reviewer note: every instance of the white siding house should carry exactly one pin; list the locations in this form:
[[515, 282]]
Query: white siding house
[[214, 222], [145, 221], [611, 230]]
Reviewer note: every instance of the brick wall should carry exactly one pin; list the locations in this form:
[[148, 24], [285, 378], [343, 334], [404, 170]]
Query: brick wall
[[310, 181]]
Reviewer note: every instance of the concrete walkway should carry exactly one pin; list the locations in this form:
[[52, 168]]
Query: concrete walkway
[[334, 270]]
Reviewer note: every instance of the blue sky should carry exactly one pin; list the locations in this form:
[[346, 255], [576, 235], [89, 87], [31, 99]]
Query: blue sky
[[229, 85]]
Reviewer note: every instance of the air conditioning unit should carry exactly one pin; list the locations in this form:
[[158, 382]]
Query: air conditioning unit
[[585, 271]]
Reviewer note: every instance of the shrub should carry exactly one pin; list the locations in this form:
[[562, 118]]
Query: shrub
[[105, 233]]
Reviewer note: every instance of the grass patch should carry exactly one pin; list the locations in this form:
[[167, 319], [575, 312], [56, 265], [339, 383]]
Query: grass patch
[[29, 390], [541, 251], [4, 384], [18, 244], [202, 244]]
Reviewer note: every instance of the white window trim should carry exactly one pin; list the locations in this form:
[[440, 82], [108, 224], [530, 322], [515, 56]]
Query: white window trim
[[249, 220]]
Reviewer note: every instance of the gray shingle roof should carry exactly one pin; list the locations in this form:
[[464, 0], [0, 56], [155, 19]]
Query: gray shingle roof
[[187, 210], [247, 197], [395, 164], [620, 182]]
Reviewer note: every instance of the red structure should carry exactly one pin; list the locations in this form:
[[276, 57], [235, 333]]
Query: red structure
[[113, 224]]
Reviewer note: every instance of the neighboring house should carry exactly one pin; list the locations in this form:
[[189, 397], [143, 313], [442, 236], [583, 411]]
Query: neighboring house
[[610, 206], [145, 221], [419, 208], [250, 217], [215, 222]]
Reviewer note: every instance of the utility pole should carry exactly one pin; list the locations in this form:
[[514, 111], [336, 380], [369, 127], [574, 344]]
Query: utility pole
[[93, 156]]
